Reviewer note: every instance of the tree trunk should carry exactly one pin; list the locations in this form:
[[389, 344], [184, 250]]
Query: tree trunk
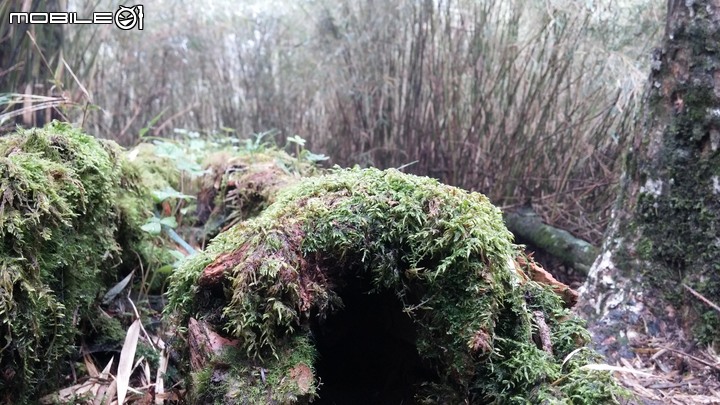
[[665, 231]]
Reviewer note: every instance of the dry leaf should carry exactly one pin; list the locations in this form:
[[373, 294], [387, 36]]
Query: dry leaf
[[127, 356]]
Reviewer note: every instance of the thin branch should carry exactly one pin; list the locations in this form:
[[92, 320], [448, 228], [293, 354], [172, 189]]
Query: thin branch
[[701, 298], [697, 359]]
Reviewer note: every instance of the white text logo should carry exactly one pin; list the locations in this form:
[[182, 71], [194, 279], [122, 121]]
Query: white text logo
[[125, 18]]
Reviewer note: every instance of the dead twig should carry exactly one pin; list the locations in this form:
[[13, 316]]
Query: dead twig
[[543, 332], [701, 298], [691, 357]]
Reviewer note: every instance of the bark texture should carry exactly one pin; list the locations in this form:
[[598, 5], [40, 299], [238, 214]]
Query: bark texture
[[666, 224]]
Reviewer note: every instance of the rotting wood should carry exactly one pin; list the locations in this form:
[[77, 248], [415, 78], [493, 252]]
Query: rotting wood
[[365, 240], [205, 344]]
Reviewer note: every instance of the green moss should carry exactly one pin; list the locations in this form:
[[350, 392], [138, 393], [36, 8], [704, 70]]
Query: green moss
[[674, 232], [443, 252], [582, 386], [277, 380], [62, 212], [645, 249], [677, 229], [109, 330], [242, 183], [156, 170]]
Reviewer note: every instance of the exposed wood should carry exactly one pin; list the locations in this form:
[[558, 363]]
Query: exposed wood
[[544, 335], [539, 275]]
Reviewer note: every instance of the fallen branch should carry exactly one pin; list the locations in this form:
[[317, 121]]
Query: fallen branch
[[527, 226], [697, 359], [701, 298]]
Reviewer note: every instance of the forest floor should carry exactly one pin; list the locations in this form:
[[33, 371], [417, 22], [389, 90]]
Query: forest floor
[[663, 371], [667, 373], [668, 370]]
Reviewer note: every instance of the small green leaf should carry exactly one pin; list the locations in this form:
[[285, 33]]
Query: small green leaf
[[197, 144], [169, 192], [165, 270], [152, 122], [297, 139], [169, 221], [316, 157], [152, 227], [282, 166], [178, 255], [186, 165]]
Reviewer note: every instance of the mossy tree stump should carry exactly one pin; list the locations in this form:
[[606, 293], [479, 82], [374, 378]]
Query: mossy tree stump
[[382, 270]]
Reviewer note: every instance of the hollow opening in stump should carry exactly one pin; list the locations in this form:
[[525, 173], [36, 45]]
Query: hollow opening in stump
[[367, 352]]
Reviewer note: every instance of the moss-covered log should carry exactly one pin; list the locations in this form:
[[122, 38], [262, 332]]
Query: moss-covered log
[[224, 184], [238, 186], [666, 223], [70, 211], [413, 284], [571, 251]]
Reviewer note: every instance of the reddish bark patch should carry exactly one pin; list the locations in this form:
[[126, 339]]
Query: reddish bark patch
[[481, 342], [205, 343], [303, 376], [214, 273]]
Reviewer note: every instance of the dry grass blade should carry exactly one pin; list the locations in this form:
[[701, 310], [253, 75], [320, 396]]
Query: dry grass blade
[[137, 315], [77, 392], [110, 394], [30, 103], [104, 394], [107, 392], [607, 367], [90, 366], [571, 354], [715, 366], [98, 389], [145, 368], [117, 288], [77, 81], [679, 377], [106, 371], [695, 399], [160, 377], [127, 356]]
